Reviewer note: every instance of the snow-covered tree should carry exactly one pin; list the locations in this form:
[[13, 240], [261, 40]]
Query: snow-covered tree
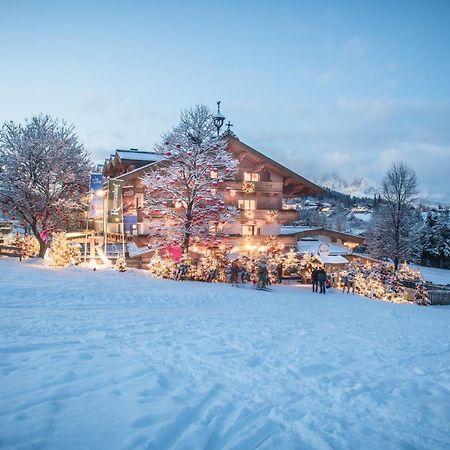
[[396, 226], [291, 263], [43, 174], [436, 239], [186, 187], [338, 220], [313, 218], [161, 267], [421, 295]]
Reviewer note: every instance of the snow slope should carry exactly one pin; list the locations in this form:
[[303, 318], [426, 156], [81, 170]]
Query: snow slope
[[104, 360], [435, 275]]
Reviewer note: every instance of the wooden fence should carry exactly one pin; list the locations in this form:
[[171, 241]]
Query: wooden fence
[[10, 250], [440, 297]]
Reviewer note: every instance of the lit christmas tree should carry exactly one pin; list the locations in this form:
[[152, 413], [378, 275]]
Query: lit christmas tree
[[62, 253], [291, 264], [378, 281], [211, 268], [30, 247], [275, 264], [17, 241], [161, 268], [185, 269], [121, 264], [308, 263], [405, 273]]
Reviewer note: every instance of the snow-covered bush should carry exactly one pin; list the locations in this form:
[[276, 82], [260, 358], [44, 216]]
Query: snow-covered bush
[[421, 295], [62, 253]]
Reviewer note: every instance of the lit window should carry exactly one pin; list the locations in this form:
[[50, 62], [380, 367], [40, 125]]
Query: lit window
[[213, 229], [251, 176], [214, 174], [247, 205], [250, 230]]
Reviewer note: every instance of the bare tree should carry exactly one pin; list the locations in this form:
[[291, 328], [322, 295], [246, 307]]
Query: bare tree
[[43, 174], [395, 230]]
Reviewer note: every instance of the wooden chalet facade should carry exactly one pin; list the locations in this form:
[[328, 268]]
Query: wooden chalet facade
[[258, 190]]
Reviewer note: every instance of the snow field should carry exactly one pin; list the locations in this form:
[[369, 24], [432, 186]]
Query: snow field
[[435, 275], [102, 359]]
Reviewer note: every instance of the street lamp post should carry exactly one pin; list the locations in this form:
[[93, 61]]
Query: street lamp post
[[218, 119]]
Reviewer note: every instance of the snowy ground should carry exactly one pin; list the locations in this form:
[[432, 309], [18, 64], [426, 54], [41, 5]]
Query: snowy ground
[[436, 276], [103, 360]]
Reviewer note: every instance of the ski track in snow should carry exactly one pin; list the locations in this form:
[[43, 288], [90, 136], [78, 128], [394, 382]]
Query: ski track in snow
[[104, 360]]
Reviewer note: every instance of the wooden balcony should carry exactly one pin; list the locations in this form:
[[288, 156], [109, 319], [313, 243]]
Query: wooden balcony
[[280, 216], [285, 240], [260, 186]]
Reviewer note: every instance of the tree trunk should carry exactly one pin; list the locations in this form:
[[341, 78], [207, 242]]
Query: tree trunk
[[396, 264], [186, 241], [42, 244], [187, 228]]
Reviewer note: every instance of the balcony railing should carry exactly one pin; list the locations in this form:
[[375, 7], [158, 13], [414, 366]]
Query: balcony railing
[[269, 215], [259, 186]]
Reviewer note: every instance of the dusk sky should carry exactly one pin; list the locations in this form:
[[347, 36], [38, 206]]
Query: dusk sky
[[322, 87]]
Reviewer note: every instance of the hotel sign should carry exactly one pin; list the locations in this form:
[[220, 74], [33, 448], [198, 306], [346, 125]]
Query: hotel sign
[[115, 201]]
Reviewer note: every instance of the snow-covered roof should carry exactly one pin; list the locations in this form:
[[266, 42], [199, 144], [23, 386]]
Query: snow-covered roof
[[366, 217], [137, 155], [139, 169], [286, 229], [312, 244], [333, 259]]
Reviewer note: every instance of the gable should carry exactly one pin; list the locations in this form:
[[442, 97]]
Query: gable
[[293, 184]]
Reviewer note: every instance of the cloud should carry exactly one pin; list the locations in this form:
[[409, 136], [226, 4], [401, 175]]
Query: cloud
[[363, 137], [95, 104]]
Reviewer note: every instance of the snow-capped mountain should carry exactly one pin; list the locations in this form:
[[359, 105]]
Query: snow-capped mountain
[[356, 187]]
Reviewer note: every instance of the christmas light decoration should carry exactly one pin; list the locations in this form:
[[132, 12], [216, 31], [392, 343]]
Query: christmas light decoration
[[121, 264], [308, 263], [248, 187], [291, 265], [161, 268], [29, 245], [62, 253], [272, 216]]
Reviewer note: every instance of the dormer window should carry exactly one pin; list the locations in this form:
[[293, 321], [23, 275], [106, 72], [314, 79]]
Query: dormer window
[[251, 176]]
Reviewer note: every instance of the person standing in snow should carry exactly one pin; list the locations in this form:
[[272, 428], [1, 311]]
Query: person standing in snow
[[243, 274], [262, 275], [351, 282], [279, 272], [315, 280], [235, 269], [322, 278], [345, 283]]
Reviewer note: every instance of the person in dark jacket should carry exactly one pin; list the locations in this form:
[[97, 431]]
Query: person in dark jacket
[[315, 280], [322, 278], [235, 269]]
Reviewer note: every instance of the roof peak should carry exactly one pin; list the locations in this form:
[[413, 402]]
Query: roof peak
[[134, 150]]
